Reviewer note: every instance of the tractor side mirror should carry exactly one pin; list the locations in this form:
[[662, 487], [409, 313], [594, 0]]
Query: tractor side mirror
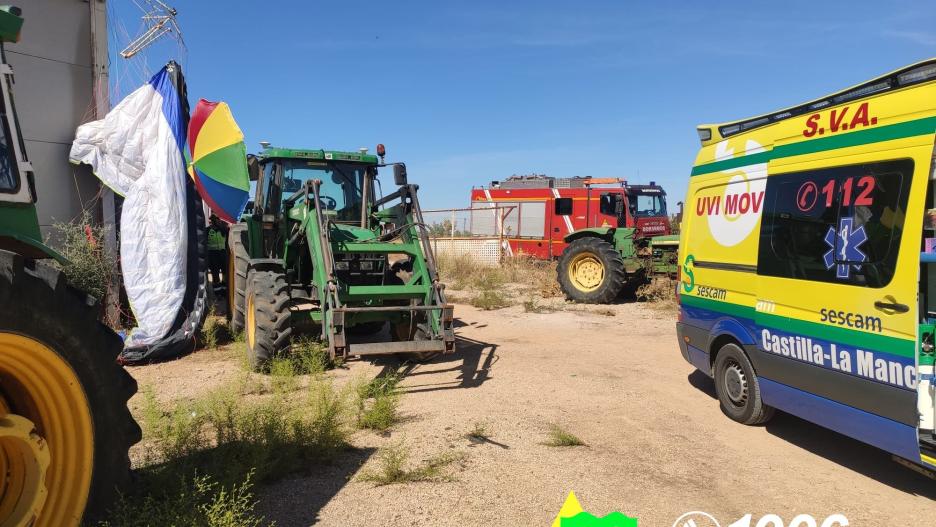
[[399, 174], [253, 167]]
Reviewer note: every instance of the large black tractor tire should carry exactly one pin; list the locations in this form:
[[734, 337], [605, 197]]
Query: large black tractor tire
[[737, 387], [236, 275], [590, 270], [59, 375], [267, 318]]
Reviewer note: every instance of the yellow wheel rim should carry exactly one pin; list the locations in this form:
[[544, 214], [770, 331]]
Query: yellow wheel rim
[[586, 272], [250, 322], [46, 436]]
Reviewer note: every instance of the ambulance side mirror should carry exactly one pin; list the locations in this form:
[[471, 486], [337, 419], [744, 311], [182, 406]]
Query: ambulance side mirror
[[679, 214]]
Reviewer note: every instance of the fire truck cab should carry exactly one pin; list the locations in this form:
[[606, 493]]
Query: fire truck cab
[[537, 213]]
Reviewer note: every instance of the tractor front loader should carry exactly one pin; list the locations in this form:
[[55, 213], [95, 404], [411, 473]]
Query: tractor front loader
[[321, 254], [65, 429]]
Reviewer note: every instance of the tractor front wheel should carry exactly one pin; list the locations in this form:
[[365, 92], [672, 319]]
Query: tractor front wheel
[[236, 277], [267, 317], [65, 430], [591, 270]]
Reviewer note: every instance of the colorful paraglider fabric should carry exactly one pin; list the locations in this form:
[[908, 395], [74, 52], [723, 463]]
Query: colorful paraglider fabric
[[218, 159]]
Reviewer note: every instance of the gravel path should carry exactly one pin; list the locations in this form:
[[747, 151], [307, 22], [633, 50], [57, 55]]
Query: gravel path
[[657, 443]]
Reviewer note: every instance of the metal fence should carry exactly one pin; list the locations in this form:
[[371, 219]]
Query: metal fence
[[479, 232]]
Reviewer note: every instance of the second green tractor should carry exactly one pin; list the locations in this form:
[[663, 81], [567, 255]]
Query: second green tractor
[[323, 252]]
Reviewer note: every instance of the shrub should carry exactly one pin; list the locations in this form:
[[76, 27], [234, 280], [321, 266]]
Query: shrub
[[489, 300], [225, 435], [378, 402], [198, 502], [89, 268]]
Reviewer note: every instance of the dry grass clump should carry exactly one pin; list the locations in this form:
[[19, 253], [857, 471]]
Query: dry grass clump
[[660, 293], [560, 437], [214, 331], [491, 286], [393, 467]]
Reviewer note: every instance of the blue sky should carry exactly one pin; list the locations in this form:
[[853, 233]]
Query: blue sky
[[467, 92]]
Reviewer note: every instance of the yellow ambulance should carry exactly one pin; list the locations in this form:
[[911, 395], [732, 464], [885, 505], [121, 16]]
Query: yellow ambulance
[[808, 263]]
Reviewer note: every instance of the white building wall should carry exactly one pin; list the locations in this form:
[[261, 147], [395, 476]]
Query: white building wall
[[53, 66]]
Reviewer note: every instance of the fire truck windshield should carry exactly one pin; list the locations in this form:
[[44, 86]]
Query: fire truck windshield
[[646, 205]]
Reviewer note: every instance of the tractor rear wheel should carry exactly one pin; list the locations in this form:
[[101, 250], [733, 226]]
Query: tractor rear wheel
[[591, 270], [236, 276], [267, 324], [65, 429]]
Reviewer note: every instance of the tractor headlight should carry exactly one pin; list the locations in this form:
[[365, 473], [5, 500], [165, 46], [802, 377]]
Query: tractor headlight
[[341, 266]]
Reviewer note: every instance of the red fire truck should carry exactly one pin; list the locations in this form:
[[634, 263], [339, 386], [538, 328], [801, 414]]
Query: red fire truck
[[535, 213]]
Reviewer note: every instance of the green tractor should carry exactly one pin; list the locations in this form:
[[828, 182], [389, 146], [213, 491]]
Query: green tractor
[[65, 429], [322, 253], [602, 262]]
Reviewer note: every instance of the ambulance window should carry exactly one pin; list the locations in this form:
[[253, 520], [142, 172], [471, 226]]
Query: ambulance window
[[563, 206], [839, 225]]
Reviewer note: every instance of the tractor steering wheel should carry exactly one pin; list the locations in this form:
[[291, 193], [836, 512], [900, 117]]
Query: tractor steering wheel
[[328, 202]]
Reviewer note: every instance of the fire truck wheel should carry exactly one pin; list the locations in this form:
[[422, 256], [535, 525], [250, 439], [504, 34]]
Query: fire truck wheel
[[737, 387], [591, 270]]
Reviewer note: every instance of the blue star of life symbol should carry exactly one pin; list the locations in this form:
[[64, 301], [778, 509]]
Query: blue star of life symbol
[[846, 249]]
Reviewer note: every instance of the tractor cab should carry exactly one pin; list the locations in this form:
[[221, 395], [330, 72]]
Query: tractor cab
[[347, 181]]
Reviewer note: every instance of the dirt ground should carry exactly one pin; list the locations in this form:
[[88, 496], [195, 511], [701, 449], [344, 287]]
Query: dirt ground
[[657, 444]]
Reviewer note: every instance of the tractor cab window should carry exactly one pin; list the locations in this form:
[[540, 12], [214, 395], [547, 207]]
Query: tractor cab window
[[9, 178], [647, 205], [341, 184]]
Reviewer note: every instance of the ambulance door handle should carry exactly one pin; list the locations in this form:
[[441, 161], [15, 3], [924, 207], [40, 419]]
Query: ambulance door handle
[[892, 306]]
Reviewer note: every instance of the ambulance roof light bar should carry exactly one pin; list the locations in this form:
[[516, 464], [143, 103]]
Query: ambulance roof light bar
[[913, 74]]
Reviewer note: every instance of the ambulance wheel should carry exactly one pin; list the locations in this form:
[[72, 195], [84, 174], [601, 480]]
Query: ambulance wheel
[[591, 270], [236, 275], [267, 318], [737, 387]]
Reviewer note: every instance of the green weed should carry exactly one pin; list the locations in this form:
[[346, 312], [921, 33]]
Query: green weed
[[560, 437], [378, 402], [479, 430], [198, 502], [490, 300], [393, 467]]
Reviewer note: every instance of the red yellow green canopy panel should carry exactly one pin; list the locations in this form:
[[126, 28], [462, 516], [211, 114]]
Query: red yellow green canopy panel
[[218, 159]]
